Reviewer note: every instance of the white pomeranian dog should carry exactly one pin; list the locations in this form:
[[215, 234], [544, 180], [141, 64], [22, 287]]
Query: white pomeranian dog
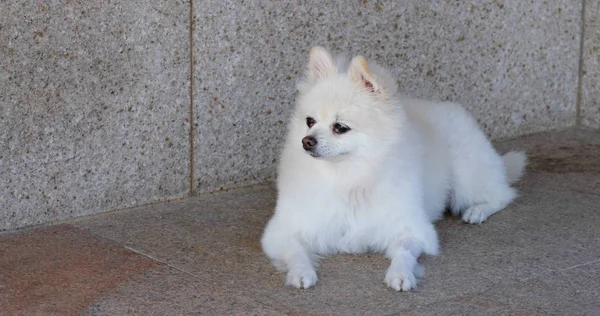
[[366, 170]]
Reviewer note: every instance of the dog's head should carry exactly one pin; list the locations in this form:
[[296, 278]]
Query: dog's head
[[344, 112]]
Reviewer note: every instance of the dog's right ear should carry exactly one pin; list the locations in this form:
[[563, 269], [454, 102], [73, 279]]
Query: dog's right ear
[[320, 64]]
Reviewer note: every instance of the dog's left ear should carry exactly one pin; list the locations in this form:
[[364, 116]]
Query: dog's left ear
[[359, 72]]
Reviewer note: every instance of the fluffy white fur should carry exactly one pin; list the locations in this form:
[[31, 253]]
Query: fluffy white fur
[[379, 186]]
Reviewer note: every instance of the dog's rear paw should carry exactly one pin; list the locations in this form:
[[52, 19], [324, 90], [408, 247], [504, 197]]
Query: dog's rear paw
[[302, 279], [476, 214], [400, 281]]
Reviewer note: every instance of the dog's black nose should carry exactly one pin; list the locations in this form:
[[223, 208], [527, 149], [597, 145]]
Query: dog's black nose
[[309, 143]]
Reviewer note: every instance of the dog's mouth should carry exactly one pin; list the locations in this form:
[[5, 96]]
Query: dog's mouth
[[327, 157], [314, 154]]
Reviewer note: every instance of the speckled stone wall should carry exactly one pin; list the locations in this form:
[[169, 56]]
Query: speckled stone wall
[[94, 107], [94, 97], [590, 88], [513, 64]]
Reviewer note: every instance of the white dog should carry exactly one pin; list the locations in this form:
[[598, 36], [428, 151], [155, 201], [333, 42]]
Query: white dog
[[365, 170]]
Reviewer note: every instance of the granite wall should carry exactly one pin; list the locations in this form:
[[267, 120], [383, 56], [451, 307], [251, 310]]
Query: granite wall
[[513, 63], [96, 105]]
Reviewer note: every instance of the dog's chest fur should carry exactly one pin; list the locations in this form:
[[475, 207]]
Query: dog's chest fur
[[354, 222]]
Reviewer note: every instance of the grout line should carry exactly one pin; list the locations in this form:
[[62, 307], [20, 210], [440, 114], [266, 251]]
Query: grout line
[[192, 134], [580, 70], [193, 275], [155, 259], [579, 265], [120, 244]]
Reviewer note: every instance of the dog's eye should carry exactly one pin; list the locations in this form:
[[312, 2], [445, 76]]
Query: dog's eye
[[340, 128], [310, 122]]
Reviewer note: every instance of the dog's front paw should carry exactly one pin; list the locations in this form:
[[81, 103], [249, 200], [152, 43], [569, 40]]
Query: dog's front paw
[[400, 280], [302, 279]]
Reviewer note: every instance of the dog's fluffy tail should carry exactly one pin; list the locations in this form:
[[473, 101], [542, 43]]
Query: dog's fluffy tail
[[514, 163]]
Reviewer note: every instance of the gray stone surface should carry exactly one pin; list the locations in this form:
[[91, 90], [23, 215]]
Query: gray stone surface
[[93, 107], [166, 291], [513, 64], [99, 277], [542, 244], [217, 239], [572, 291], [590, 85], [35, 263]]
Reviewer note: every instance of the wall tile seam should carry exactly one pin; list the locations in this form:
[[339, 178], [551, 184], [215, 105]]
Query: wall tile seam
[[578, 115], [191, 111]]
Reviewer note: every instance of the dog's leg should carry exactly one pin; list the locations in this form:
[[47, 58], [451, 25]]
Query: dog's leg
[[289, 255], [404, 270], [301, 271], [480, 202], [480, 187], [496, 192], [481, 178]]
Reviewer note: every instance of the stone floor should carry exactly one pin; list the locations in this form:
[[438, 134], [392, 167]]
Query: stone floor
[[201, 256]]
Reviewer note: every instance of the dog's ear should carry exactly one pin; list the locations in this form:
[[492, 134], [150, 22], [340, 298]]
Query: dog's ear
[[320, 64], [359, 73]]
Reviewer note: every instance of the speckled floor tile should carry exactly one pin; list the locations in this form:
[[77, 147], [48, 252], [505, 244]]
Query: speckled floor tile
[[61, 270], [216, 237], [590, 82], [94, 105], [166, 291], [222, 246], [569, 292], [513, 64]]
